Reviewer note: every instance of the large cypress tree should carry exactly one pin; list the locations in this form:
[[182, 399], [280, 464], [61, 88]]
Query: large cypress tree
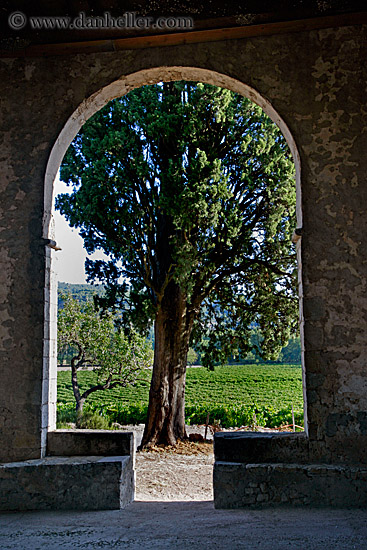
[[189, 189]]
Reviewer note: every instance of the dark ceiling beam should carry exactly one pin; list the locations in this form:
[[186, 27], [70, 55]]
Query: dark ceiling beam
[[191, 37]]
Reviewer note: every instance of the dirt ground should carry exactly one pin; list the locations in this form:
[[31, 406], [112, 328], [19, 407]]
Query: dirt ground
[[184, 473]]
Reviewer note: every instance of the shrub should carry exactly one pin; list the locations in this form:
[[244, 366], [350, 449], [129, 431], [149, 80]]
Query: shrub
[[66, 413], [93, 421]]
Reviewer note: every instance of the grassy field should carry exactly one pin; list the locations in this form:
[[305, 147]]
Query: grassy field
[[232, 395]]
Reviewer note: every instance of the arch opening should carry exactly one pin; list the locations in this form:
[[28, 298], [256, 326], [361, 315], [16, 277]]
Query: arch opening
[[88, 108]]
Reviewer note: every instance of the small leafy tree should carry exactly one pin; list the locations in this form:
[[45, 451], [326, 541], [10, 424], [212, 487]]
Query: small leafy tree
[[118, 360]]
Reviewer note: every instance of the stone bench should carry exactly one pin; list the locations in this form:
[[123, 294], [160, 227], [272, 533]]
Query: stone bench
[[256, 470], [85, 470]]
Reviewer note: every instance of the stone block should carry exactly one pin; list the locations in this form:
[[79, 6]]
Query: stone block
[[90, 443], [250, 447], [288, 484], [67, 483]]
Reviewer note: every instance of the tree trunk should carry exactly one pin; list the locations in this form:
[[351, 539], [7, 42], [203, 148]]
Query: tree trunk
[[79, 412], [76, 391], [166, 410]]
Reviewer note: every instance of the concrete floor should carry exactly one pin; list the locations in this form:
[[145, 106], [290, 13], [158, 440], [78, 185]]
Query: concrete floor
[[185, 525]]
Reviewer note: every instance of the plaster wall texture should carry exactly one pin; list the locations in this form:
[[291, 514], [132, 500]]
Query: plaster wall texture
[[316, 81]]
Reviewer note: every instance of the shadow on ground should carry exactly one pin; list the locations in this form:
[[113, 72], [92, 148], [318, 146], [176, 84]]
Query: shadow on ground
[[185, 525]]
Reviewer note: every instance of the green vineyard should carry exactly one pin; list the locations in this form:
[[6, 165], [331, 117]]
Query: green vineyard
[[233, 396]]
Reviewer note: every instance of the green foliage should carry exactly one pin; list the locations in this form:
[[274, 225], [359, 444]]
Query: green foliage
[[117, 360], [94, 421], [192, 357], [292, 352], [63, 425], [228, 415], [90, 419], [241, 415], [231, 394], [128, 414], [81, 293], [66, 412], [85, 292], [190, 184]]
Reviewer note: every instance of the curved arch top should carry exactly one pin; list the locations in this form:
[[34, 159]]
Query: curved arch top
[[145, 77]]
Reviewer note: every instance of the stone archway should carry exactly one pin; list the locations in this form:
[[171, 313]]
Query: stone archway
[[87, 109], [315, 80], [144, 77]]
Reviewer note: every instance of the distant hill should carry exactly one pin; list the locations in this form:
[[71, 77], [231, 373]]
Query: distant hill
[[81, 292]]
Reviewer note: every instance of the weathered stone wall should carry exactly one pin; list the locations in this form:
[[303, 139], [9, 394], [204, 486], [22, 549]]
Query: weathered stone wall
[[67, 483], [253, 447], [316, 81], [90, 443], [238, 485]]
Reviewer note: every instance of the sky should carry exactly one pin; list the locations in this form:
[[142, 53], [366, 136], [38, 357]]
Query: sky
[[69, 264]]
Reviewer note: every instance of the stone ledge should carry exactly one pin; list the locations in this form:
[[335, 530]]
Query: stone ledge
[[247, 447], [90, 443], [67, 483], [238, 485]]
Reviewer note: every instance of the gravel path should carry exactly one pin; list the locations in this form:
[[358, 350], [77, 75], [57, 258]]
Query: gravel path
[[184, 473], [172, 477]]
